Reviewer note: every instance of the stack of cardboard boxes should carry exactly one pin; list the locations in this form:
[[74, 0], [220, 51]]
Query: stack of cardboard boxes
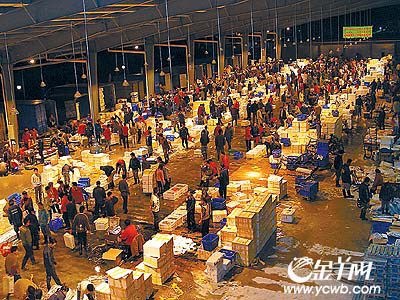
[[158, 258], [149, 180], [255, 225], [217, 266], [278, 186], [125, 284], [331, 125]]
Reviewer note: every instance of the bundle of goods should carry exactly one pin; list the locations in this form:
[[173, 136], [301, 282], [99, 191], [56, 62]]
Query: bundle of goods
[[217, 266], [174, 220]]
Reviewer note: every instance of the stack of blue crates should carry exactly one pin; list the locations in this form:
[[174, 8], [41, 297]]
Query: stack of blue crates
[[301, 117], [309, 189]]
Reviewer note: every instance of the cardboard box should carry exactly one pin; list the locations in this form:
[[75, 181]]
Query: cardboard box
[[228, 234], [148, 285], [101, 224], [203, 254], [218, 215], [231, 218], [114, 255], [69, 240]]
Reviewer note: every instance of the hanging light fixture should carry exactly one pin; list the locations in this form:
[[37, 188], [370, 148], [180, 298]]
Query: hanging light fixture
[[213, 62], [77, 93], [219, 43], [206, 52], [83, 68], [42, 83], [125, 83], [116, 63], [169, 42]]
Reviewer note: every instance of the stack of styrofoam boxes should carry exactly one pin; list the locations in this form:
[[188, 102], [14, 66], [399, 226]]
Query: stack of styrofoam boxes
[[229, 232], [149, 180], [265, 217], [255, 226], [278, 186], [158, 258], [126, 284], [176, 192], [50, 174], [331, 125], [300, 126], [256, 152], [214, 267]]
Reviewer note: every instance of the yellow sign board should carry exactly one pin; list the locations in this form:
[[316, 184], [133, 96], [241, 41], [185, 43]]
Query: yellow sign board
[[357, 32]]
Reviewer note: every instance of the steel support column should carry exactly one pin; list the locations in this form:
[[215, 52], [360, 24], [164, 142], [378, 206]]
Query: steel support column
[[149, 59], [7, 79]]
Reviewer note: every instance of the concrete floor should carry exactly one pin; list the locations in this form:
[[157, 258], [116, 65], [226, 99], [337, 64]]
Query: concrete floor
[[325, 229]]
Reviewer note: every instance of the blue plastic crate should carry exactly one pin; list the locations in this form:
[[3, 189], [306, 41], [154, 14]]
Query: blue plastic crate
[[274, 166], [276, 153], [17, 198], [210, 241], [218, 204], [301, 117], [85, 181], [380, 227], [300, 179], [229, 254], [286, 142], [170, 137], [56, 224]]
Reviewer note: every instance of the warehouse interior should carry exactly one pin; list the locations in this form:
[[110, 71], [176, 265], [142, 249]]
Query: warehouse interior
[[246, 149]]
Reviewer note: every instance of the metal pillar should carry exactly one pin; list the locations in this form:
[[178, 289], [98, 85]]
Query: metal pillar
[[7, 78], [245, 51], [221, 56], [149, 59], [93, 82], [190, 62]]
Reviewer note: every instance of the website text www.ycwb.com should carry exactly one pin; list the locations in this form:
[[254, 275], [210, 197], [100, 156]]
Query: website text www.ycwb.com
[[332, 289]]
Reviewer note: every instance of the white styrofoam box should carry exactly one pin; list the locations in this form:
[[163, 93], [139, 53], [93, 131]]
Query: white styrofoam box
[[288, 215], [154, 248], [216, 259]]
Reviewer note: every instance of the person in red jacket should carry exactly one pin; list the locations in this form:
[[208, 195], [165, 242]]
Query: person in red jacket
[[77, 195], [247, 136], [26, 137], [64, 202], [125, 134], [225, 160], [107, 136]]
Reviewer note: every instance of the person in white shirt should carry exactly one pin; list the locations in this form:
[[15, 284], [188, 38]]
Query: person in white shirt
[[36, 181]]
